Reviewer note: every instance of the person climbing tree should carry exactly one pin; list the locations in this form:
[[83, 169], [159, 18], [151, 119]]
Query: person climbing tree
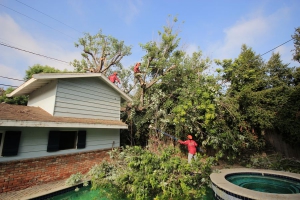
[[138, 73], [191, 144], [114, 78], [136, 68]]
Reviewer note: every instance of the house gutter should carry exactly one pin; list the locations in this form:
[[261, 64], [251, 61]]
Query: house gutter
[[15, 123]]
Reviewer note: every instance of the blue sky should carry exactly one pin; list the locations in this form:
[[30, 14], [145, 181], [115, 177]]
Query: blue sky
[[217, 28]]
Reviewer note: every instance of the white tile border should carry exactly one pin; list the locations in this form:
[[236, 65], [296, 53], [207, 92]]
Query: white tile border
[[219, 180]]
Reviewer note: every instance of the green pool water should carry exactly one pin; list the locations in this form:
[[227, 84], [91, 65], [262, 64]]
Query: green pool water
[[265, 183], [85, 193]]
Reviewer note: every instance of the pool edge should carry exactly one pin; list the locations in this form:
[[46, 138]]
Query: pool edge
[[218, 179]]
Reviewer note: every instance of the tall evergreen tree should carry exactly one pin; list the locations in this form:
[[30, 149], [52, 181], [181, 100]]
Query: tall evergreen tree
[[296, 38]]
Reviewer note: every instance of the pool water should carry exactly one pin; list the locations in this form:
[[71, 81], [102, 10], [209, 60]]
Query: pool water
[[85, 193], [265, 183]]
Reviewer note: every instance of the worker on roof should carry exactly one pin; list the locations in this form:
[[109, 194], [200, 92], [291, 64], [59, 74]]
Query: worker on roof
[[114, 78], [191, 144]]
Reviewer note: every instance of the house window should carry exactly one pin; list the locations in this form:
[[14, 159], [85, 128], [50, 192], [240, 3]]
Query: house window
[[9, 143], [67, 140], [62, 140]]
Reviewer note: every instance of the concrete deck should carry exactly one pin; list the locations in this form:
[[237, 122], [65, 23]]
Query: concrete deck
[[34, 191], [219, 180]]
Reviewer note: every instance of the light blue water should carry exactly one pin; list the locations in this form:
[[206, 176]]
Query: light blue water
[[267, 184]]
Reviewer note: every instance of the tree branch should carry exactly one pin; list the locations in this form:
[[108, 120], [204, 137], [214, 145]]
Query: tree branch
[[155, 80], [92, 55]]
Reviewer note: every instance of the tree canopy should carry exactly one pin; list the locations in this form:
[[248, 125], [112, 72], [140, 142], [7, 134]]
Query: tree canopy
[[37, 68], [21, 100], [296, 38], [100, 53]]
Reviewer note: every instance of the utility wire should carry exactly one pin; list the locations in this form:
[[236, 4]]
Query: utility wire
[[49, 16], [276, 47], [7, 42], [33, 53], [37, 21], [8, 85], [11, 78]]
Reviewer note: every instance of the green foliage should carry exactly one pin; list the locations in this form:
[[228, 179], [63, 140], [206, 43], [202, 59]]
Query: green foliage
[[138, 173], [287, 117], [257, 99], [229, 112], [21, 100], [100, 53], [36, 69], [274, 162], [74, 179]]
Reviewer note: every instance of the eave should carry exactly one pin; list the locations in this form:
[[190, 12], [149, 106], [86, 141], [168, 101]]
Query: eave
[[39, 80], [15, 123]]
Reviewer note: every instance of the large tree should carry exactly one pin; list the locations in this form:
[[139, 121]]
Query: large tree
[[100, 53], [296, 38], [161, 57], [258, 95]]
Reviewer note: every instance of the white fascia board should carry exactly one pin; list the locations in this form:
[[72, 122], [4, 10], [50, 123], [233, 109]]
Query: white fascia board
[[14, 123], [77, 75], [24, 85], [64, 75]]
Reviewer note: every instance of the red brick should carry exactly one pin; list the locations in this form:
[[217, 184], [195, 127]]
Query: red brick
[[19, 175]]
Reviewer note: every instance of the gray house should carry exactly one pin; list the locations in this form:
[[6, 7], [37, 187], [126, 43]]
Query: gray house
[[71, 120]]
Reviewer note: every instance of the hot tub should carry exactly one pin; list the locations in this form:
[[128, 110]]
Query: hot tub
[[248, 184]]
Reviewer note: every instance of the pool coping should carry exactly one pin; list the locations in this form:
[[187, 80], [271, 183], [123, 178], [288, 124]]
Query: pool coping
[[219, 180], [45, 194]]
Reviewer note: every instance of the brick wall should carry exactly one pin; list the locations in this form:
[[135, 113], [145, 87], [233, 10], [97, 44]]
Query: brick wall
[[18, 175]]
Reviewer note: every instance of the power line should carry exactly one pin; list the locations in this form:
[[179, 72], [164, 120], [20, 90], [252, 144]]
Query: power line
[[7, 42], [276, 47], [33, 53], [37, 21], [8, 85], [49, 16], [11, 78]]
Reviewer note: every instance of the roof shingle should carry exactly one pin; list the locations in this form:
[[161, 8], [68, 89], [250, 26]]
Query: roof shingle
[[29, 113]]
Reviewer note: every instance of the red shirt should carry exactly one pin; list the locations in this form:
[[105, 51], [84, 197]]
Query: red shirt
[[113, 78], [191, 145], [136, 68]]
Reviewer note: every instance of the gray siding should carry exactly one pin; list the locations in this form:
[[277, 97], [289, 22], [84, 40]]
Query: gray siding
[[34, 141], [86, 98]]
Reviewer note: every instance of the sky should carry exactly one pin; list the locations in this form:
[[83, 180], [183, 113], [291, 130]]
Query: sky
[[216, 27]]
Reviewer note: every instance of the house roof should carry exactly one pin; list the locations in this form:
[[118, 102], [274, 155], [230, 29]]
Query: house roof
[[39, 80], [28, 116]]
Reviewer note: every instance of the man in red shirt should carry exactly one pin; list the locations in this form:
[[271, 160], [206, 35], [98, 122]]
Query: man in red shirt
[[136, 68], [191, 144], [114, 77], [138, 73]]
